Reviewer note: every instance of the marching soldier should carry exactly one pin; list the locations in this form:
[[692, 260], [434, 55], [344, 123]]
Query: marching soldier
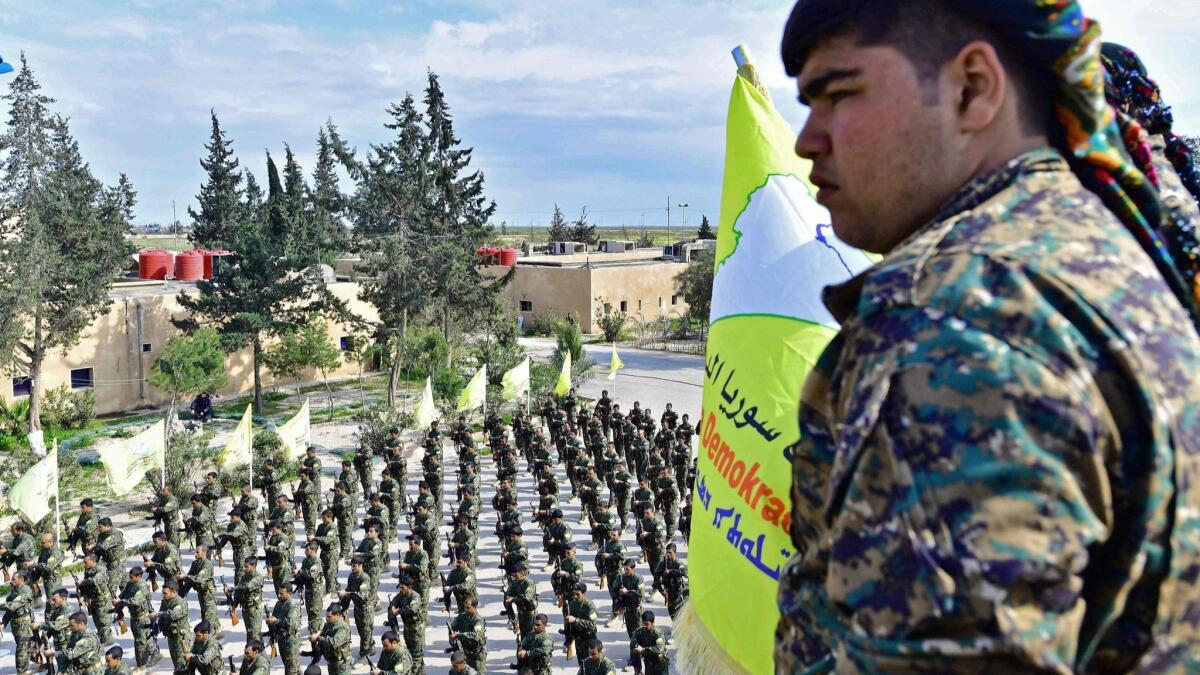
[[515, 551], [268, 483], [333, 644], [82, 654], [172, 618], [279, 557], [462, 541], [166, 514], [239, 536], [343, 512], [395, 659], [18, 607], [57, 619], [410, 607], [648, 648], [374, 554], [569, 573], [358, 594], [596, 662], [668, 498], [380, 512], [94, 592], [425, 525], [468, 509], [201, 524], [84, 533], [652, 538], [247, 507], [362, 465], [284, 627], [204, 655], [461, 581], [45, 573], [415, 565], [22, 551], [348, 476], [164, 558], [681, 460], [284, 513], [331, 549], [621, 490], [469, 633], [608, 563], [254, 662], [248, 595], [200, 577], [136, 596], [391, 495], [312, 463], [629, 596], [580, 620], [211, 491], [312, 576], [521, 595], [309, 494], [672, 579], [112, 661], [536, 650]]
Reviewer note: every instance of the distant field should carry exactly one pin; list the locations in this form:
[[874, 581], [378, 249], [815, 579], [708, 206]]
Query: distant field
[[163, 241], [517, 236]]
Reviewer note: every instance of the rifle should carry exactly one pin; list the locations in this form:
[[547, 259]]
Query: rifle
[[119, 610], [445, 594], [511, 613], [270, 637], [151, 572], [453, 640], [41, 643], [449, 547], [232, 670], [230, 600], [568, 632]]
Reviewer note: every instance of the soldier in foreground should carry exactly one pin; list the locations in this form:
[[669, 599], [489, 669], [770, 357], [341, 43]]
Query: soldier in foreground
[[1025, 345], [18, 610], [333, 644]]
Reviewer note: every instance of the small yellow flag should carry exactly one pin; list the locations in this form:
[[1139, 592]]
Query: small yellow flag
[[564, 378], [240, 447], [475, 394], [614, 364]]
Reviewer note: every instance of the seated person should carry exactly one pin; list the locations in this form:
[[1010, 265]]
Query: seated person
[[202, 409]]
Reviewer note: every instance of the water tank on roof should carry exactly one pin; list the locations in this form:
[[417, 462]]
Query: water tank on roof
[[154, 264], [215, 261], [508, 256], [189, 266]]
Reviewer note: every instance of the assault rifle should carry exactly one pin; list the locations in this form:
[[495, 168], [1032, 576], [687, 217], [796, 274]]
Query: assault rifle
[[453, 639], [151, 572], [41, 645], [510, 612], [118, 610], [231, 601], [445, 594], [568, 631]]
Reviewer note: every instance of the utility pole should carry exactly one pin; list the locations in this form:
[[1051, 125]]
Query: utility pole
[[668, 220], [174, 223]]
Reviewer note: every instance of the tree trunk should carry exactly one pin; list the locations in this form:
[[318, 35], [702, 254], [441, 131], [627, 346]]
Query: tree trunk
[[393, 378], [446, 330], [258, 406], [329, 391], [35, 375]]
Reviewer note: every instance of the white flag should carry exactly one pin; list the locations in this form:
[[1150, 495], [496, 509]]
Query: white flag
[[426, 410], [126, 462], [30, 496], [240, 447], [476, 392], [294, 433], [516, 381]]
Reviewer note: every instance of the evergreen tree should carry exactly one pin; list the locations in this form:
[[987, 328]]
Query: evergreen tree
[[582, 231], [327, 202], [391, 195], [705, 231], [695, 284], [559, 230], [265, 292], [457, 220], [220, 195], [62, 233]]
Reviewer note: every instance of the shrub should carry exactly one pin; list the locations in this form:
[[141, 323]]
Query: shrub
[[543, 323], [267, 445], [188, 458], [611, 323], [14, 417], [65, 409], [375, 422]]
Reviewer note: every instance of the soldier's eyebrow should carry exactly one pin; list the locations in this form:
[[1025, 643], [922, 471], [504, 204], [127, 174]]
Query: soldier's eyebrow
[[817, 86]]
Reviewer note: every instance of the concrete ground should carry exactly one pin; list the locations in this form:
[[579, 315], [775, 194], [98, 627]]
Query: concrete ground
[[654, 378]]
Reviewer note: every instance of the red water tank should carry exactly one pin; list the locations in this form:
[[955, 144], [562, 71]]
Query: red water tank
[[189, 266], [154, 264], [208, 261], [508, 256]]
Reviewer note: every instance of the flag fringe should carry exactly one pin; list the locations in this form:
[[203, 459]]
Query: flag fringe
[[697, 652]]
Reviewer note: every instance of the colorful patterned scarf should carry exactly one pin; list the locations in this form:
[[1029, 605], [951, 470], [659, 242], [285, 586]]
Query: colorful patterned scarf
[[1110, 156]]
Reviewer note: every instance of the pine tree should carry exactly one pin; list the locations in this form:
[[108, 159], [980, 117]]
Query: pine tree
[[327, 202], [705, 231], [391, 195], [220, 195], [559, 230], [265, 292], [62, 233], [582, 231]]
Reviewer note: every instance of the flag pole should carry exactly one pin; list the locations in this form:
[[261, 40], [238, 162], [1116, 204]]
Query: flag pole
[[57, 493], [166, 437]]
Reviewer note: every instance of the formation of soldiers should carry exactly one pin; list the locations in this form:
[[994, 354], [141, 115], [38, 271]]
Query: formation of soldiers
[[627, 470]]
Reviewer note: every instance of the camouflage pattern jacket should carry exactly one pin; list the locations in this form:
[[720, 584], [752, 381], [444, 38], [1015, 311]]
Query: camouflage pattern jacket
[[1000, 450]]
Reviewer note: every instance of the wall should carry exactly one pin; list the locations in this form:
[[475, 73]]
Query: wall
[[647, 290], [110, 346], [564, 290]]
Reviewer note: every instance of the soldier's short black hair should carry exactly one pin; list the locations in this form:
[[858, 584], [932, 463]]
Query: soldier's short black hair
[[928, 32], [595, 645], [335, 608], [86, 501], [405, 581], [390, 636], [115, 652], [62, 593], [203, 627], [171, 584], [136, 571], [541, 617], [254, 644], [197, 497], [78, 617], [18, 526], [648, 616], [458, 657]]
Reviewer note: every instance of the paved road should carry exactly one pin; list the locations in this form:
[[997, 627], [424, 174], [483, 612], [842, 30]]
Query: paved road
[[655, 378], [501, 641]]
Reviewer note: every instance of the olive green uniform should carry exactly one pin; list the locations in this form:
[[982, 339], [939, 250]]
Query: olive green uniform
[[472, 639], [136, 596], [412, 611], [286, 632], [173, 617], [19, 606], [334, 644]]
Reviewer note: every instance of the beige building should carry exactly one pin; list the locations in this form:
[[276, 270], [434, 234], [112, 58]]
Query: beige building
[[637, 282], [117, 351]]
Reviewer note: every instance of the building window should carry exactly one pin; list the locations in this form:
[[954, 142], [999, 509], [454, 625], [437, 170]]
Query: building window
[[639, 304], [147, 348], [81, 378], [674, 299], [607, 308], [344, 343], [624, 306], [526, 305], [660, 302], [22, 386]]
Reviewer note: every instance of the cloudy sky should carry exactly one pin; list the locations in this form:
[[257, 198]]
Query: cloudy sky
[[613, 105]]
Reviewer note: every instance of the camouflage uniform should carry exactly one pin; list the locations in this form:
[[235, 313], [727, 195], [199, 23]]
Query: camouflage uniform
[[99, 600], [472, 638], [206, 657], [334, 645], [358, 596], [259, 666], [249, 596], [285, 631], [654, 658], [83, 653], [331, 550], [541, 653], [202, 525], [136, 596], [57, 621], [47, 569], [996, 469], [410, 607], [19, 607], [173, 617], [200, 577], [312, 573]]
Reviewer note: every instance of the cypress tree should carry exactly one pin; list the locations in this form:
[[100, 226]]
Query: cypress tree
[[220, 195]]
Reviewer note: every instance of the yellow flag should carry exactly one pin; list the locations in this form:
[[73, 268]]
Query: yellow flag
[[426, 410], [127, 462], [516, 381], [564, 378], [614, 364], [774, 254], [476, 392], [240, 447], [294, 433], [30, 496]]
